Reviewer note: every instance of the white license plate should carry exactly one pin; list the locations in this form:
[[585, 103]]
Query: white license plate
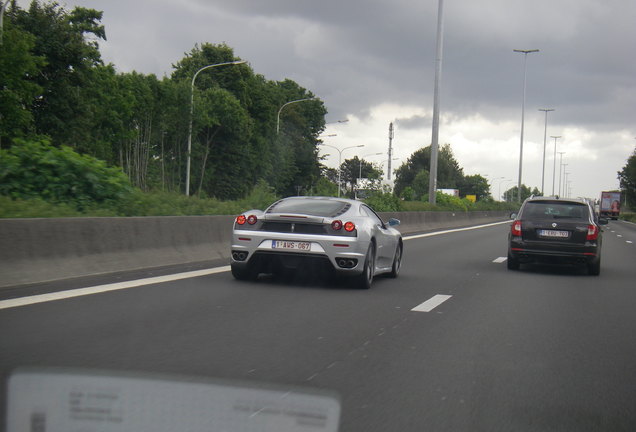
[[291, 245], [554, 233]]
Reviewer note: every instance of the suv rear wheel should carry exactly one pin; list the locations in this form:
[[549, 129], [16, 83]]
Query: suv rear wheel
[[512, 263]]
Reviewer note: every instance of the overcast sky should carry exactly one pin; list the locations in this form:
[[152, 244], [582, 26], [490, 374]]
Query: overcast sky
[[372, 62]]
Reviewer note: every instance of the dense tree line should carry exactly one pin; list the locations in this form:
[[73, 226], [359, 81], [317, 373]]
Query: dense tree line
[[54, 84], [627, 178]]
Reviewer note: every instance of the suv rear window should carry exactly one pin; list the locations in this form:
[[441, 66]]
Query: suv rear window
[[314, 207], [554, 210]]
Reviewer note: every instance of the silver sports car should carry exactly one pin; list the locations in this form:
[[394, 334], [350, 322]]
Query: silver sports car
[[340, 234]]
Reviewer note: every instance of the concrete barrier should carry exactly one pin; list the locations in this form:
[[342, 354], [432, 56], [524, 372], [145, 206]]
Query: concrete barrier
[[41, 250]]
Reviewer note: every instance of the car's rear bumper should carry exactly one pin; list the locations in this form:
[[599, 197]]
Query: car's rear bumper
[[344, 255], [527, 253]]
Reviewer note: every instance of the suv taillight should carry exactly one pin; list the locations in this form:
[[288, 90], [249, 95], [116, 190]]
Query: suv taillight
[[515, 228], [592, 232]]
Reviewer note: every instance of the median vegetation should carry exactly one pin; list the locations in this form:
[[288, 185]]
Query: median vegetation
[[38, 179]]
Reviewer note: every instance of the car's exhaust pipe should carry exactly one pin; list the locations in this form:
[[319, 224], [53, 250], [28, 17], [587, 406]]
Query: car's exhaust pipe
[[239, 256], [346, 262]]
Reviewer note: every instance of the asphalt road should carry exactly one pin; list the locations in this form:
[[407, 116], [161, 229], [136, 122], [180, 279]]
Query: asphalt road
[[541, 349]]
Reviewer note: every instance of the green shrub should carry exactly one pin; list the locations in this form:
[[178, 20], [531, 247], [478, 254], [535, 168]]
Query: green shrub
[[631, 217], [384, 202], [36, 169], [38, 208]]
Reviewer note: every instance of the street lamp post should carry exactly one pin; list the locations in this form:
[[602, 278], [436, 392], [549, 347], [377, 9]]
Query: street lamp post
[[187, 188], [340, 160], [283, 106], [554, 166], [523, 111], [545, 137], [561, 168], [565, 184], [499, 190]]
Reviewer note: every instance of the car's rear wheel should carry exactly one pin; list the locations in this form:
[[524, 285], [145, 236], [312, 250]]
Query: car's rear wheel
[[365, 279], [512, 263], [244, 272], [594, 268], [397, 262]]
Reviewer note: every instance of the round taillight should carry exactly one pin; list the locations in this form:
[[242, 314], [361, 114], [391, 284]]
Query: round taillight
[[336, 225], [241, 220], [349, 226], [251, 219]]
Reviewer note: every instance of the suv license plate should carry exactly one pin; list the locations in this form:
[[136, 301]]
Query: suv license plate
[[554, 233], [291, 245]]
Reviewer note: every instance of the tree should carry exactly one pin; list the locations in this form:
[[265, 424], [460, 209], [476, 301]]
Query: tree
[[449, 173], [627, 177], [420, 184], [474, 185], [511, 195], [351, 170], [17, 91], [61, 111]]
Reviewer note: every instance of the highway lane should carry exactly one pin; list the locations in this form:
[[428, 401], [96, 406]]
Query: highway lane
[[545, 348]]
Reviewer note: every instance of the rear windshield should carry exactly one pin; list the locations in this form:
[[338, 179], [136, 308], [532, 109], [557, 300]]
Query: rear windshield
[[314, 207], [555, 210]]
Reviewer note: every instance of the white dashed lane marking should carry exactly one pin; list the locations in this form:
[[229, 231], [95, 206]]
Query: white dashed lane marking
[[500, 260], [431, 303]]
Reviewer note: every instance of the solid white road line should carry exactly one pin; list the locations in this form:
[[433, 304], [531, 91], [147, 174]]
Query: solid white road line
[[500, 260], [431, 303], [61, 295], [436, 233]]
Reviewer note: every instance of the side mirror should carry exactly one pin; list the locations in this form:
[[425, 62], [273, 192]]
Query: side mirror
[[513, 215], [602, 221], [394, 222]]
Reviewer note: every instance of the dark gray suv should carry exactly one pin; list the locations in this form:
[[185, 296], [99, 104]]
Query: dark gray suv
[[555, 230]]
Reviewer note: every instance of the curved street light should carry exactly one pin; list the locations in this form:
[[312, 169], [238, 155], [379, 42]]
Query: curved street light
[[187, 188], [554, 166], [523, 112], [340, 160], [283, 106], [362, 159], [504, 180], [545, 137]]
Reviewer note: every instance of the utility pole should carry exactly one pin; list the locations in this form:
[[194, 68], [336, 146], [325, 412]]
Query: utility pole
[[545, 137], [388, 174], [432, 182], [554, 167]]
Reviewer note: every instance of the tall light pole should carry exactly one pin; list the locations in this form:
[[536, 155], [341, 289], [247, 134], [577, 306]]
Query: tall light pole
[[565, 183], [506, 193], [432, 182], [187, 188], [554, 167], [545, 137], [340, 160], [283, 106], [503, 179], [523, 111], [561, 169]]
